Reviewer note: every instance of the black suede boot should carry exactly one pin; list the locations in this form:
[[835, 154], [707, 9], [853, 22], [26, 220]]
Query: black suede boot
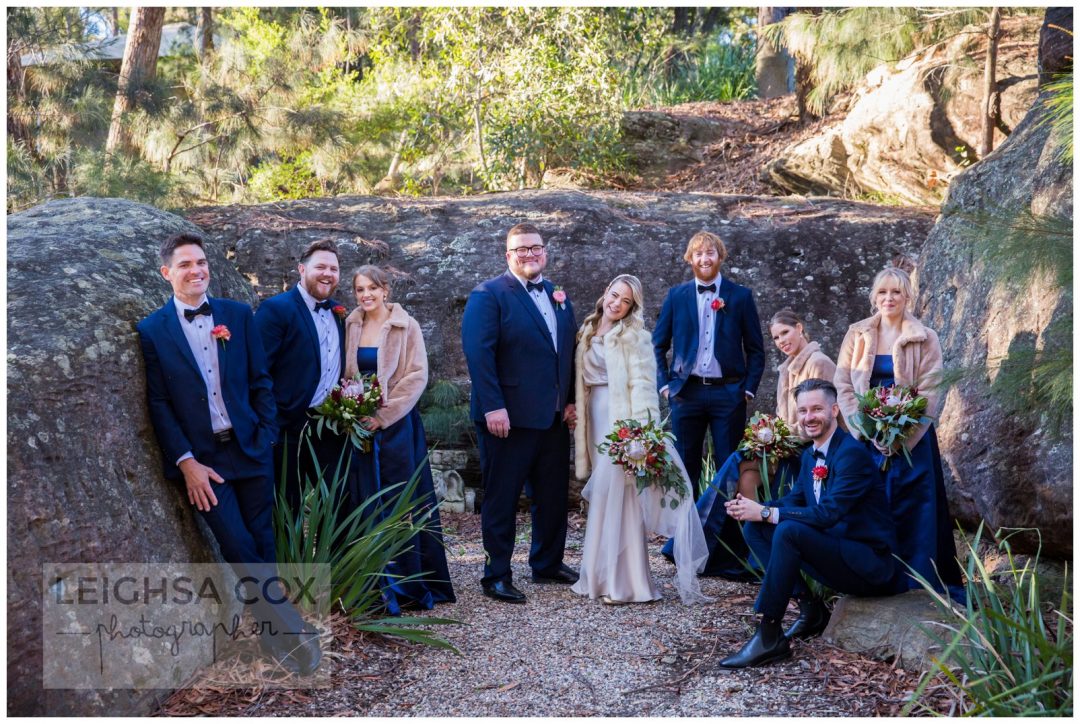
[[768, 644], [812, 620]]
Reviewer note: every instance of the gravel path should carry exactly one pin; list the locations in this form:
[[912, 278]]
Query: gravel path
[[563, 655]]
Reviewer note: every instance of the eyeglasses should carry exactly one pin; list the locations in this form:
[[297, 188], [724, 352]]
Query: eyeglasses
[[524, 251]]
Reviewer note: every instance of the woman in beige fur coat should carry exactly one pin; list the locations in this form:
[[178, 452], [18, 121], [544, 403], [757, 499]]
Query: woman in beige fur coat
[[381, 337], [893, 347], [616, 380]]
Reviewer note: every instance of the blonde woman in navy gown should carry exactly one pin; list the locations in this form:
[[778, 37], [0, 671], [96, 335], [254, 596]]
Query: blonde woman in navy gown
[[381, 337], [893, 347]]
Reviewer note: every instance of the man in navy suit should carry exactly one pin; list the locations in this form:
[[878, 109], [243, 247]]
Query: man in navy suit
[[518, 337], [303, 332], [835, 525], [213, 411], [712, 329]]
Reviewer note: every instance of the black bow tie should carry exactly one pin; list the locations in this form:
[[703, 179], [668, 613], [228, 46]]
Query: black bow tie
[[324, 304], [819, 454], [538, 286], [190, 314], [702, 288]]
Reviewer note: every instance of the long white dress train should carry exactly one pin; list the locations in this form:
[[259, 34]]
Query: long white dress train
[[615, 555]]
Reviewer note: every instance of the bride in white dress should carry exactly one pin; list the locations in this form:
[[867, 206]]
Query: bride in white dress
[[616, 380]]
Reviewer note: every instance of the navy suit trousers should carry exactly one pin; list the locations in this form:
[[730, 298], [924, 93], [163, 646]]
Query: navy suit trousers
[[721, 409], [791, 546], [242, 523], [543, 458]]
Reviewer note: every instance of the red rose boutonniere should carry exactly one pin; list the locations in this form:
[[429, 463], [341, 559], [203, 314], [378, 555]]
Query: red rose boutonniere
[[560, 297], [820, 472], [718, 304], [221, 332], [339, 311]]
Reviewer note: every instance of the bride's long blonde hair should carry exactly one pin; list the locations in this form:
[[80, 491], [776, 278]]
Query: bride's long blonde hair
[[634, 319]]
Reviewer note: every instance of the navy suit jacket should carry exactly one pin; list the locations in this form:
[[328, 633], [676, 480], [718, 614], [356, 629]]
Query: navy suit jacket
[[853, 505], [177, 394], [739, 346], [292, 354], [511, 360]]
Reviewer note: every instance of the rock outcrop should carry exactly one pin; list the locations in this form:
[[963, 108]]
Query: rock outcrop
[[912, 127], [84, 474], [1005, 467]]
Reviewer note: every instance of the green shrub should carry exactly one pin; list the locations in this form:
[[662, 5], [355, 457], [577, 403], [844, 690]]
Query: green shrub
[[1004, 652], [358, 547], [444, 409], [280, 180]]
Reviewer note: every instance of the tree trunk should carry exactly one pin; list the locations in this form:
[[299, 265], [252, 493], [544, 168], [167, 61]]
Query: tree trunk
[[681, 27], [712, 18], [204, 34], [991, 105], [774, 69], [138, 67]]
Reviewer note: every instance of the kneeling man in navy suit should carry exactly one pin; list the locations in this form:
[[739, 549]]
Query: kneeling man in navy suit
[[835, 525], [213, 412]]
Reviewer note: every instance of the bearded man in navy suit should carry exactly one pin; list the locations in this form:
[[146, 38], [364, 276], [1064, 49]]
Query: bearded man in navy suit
[[835, 524], [213, 413], [518, 337], [711, 327], [303, 332]]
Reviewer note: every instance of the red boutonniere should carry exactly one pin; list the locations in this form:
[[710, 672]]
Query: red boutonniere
[[820, 472], [718, 304], [560, 297], [340, 311], [222, 333]]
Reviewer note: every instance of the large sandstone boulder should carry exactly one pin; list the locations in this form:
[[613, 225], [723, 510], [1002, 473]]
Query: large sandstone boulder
[[1005, 467], [84, 474], [911, 127]]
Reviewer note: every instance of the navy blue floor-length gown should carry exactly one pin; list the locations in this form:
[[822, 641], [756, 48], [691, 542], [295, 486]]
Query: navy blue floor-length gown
[[398, 450], [916, 493]]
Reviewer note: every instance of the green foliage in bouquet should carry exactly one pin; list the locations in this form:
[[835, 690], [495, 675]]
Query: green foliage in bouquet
[[888, 415], [358, 547], [341, 411], [768, 436], [1005, 653], [641, 451]]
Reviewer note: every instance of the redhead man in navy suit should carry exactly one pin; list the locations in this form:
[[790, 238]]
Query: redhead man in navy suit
[[213, 413], [518, 339], [303, 332], [835, 524], [711, 327]]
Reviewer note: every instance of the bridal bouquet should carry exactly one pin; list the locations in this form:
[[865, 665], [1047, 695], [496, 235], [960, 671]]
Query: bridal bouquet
[[768, 437], [888, 415], [341, 411], [641, 451]]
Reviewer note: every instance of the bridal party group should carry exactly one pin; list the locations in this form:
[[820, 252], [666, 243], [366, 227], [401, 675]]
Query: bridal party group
[[807, 492]]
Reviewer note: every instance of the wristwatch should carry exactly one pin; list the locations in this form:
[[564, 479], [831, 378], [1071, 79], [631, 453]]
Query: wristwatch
[[766, 511]]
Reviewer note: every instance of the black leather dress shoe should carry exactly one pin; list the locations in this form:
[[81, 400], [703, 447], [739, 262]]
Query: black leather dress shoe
[[812, 620], [766, 646], [308, 653], [562, 574], [504, 591]]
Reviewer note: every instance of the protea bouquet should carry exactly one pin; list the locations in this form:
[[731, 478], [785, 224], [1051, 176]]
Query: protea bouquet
[[768, 436], [641, 450], [888, 415], [341, 411]]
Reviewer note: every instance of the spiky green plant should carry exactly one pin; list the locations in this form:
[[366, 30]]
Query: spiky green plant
[[358, 546], [1059, 111], [1004, 652]]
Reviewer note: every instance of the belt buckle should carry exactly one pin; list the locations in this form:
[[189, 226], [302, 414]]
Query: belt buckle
[[224, 436], [707, 381]]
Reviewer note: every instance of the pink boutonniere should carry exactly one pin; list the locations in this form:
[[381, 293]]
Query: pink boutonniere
[[222, 333], [820, 472], [718, 304], [340, 311], [560, 297]]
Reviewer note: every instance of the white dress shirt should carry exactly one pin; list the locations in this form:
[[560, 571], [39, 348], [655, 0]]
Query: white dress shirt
[[706, 365], [775, 517], [204, 348], [329, 347], [543, 303]]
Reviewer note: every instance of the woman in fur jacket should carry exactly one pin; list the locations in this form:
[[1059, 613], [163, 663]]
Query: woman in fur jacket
[[616, 380]]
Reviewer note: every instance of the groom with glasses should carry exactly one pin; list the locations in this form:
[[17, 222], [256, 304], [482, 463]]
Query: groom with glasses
[[518, 337]]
